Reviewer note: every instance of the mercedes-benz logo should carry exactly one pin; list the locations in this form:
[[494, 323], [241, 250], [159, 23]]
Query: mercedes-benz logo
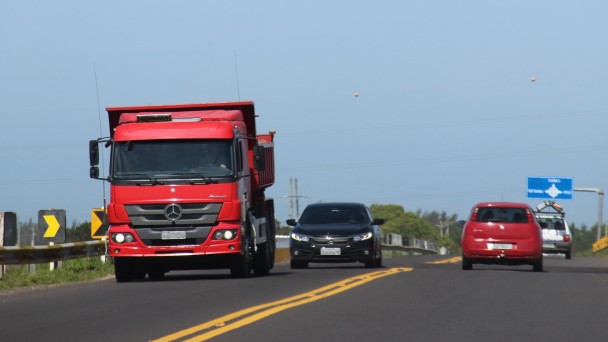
[[173, 212]]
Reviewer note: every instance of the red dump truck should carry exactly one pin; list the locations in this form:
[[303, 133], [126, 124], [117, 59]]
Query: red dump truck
[[187, 189]]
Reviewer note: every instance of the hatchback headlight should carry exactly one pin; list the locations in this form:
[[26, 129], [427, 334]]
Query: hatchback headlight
[[362, 237], [300, 237]]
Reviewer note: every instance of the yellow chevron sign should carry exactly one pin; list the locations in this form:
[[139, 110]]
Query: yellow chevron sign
[[99, 223], [600, 244], [53, 226]]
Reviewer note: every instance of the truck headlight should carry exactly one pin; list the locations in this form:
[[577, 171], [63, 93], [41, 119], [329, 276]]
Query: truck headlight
[[122, 237], [225, 234]]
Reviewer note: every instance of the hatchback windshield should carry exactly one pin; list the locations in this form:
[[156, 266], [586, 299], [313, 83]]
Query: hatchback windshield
[[334, 215], [494, 214]]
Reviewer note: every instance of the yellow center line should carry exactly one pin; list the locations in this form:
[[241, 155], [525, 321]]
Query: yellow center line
[[446, 261], [252, 314]]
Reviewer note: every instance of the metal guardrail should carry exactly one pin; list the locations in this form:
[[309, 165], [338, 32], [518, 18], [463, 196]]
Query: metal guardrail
[[392, 241], [21, 255]]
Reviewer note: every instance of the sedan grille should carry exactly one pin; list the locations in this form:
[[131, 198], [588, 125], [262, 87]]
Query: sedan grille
[[331, 240]]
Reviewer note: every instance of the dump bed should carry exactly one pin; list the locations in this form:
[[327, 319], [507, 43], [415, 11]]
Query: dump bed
[[246, 108], [265, 178]]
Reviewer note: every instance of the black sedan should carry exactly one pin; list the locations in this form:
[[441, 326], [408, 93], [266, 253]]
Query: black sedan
[[335, 232]]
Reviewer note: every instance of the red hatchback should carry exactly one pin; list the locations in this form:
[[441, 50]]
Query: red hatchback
[[502, 233]]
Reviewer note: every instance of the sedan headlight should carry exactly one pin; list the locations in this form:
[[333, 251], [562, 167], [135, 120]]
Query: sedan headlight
[[300, 237], [362, 237]]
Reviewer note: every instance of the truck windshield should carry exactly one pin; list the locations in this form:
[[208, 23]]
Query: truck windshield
[[172, 159]]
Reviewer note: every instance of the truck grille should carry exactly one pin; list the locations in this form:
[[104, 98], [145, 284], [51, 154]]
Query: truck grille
[[157, 215], [194, 219]]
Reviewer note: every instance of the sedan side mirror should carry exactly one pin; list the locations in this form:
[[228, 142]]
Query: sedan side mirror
[[291, 222], [378, 222]]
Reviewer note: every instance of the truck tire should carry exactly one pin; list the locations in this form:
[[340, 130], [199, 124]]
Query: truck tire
[[272, 231], [241, 265], [123, 270], [261, 261]]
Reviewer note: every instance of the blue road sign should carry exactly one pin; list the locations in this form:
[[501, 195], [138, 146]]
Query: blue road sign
[[550, 188]]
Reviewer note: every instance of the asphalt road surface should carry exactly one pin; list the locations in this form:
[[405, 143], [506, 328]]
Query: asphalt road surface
[[419, 298]]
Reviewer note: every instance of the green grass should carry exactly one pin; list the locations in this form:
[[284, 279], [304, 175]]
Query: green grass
[[70, 271]]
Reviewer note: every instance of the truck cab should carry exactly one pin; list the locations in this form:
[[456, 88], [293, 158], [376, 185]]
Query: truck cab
[[187, 189]]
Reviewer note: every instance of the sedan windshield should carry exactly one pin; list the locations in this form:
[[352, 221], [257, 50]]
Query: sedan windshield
[[334, 215], [164, 159]]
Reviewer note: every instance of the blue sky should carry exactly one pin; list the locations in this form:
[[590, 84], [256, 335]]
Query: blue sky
[[447, 113]]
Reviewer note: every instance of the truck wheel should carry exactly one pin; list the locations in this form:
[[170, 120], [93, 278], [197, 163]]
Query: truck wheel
[[123, 270], [241, 266], [261, 261]]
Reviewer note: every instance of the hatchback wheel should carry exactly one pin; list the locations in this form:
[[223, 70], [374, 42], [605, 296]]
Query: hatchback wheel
[[466, 264], [538, 265]]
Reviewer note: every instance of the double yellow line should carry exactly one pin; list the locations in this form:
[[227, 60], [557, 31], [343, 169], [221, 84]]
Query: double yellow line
[[221, 325]]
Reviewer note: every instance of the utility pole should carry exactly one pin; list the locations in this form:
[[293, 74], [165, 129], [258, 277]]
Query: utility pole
[[290, 198], [293, 183], [297, 200]]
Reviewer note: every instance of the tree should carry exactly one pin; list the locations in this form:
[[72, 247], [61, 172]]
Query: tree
[[407, 224], [79, 232]]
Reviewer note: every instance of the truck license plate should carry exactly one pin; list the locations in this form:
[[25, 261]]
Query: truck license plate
[[330, 251], [173, 235]]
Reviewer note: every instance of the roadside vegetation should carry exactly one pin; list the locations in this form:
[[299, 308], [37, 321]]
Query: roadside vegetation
[[67, 271], [22, 276]]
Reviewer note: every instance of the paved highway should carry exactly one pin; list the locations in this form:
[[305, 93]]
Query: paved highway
[[421, 298]]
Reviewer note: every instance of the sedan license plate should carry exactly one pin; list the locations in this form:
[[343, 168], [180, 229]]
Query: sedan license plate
[[492, 246], [173, 235], [330, 251]]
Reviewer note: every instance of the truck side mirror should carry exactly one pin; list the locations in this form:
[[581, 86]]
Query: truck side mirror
[[94, 152], [94, 172], [259, 158]]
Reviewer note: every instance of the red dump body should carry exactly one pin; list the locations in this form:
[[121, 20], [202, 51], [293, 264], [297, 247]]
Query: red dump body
[[169, 209]]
